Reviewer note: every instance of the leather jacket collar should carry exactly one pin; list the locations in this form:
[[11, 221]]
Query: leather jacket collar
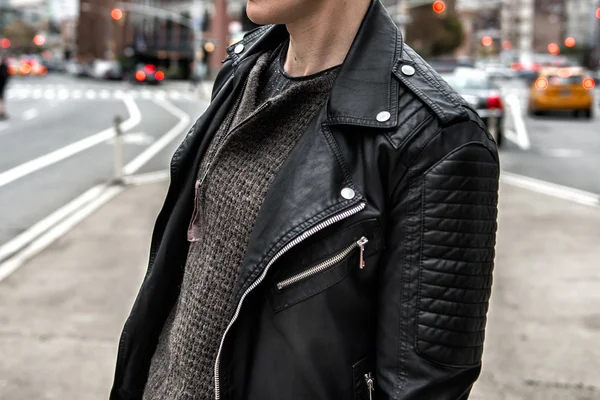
[[365, 85]]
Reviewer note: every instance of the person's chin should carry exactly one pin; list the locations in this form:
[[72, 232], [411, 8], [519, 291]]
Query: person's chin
[[258, 14]]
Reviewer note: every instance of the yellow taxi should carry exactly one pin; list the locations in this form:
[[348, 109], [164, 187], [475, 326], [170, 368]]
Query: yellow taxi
[[562, 89]]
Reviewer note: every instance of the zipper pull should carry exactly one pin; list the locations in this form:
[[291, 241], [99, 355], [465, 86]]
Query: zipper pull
[[361, 243], [370, 384]]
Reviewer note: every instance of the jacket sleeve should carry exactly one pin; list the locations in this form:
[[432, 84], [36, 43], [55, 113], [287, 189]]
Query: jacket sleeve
[[436, 275]]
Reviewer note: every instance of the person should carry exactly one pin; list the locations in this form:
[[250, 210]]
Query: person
[[4, 75], [329, 229]]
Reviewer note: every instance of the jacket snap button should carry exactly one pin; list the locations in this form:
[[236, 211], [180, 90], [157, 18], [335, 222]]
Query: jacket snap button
[[348, 193], [408, 70], [239, 48], [384, 116]]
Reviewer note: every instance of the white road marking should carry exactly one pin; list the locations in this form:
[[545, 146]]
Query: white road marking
[[30, 114], [136, 138], [522, 138], [563, 153], [23, 94], [551, 189], [27, 245], [49, 94], [44, 161], [163, 141], [63, 94], [151, 177], [20, 241], [74, 216]]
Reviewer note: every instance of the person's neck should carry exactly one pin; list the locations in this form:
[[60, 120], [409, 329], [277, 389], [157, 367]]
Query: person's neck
[[321, 40]]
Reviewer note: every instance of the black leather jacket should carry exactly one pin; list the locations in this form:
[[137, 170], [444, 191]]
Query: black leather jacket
[[372, 255]]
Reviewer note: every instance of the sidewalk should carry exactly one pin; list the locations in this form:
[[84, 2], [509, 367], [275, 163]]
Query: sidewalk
[[62, 313]]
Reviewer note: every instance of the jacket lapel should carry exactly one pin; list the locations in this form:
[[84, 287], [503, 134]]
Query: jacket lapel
[[306, 191]]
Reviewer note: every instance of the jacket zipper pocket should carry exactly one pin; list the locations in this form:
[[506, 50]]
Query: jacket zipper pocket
[[370, 384], [325, 265]]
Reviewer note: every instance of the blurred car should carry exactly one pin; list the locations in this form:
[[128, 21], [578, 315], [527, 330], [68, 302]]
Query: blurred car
[[478, 89], [526, 71], [562, 89], [105, 69], [54, 65], [499, 71], [77, 69], [13, 66], [31, 66], [146, 73], [448, 64]]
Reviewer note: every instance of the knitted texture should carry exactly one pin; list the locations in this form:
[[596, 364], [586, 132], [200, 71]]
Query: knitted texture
[[240, 165]]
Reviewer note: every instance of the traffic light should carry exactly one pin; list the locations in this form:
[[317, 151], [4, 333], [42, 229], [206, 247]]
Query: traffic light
[[39, 40], [439, 6], [553, 48], [598, 13], [116, 14], [570, 42], [487, 41], [4, 43]]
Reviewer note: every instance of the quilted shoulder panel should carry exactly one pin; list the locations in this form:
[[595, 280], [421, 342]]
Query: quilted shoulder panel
[[459, 211]]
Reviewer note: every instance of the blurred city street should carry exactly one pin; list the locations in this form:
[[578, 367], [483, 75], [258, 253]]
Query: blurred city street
[[555, 148], [57, 143], [101, 92]]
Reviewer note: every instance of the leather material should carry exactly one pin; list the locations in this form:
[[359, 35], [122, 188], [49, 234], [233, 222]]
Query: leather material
[[425, 195]]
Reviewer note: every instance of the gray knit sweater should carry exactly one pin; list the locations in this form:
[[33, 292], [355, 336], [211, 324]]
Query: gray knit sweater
[[234, 177]]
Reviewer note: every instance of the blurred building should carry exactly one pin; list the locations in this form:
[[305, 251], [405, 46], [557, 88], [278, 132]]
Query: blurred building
[[517, 24], [529, 26], [32, 12], [148, 30], [581, 20], [479, 19], [98, 35]]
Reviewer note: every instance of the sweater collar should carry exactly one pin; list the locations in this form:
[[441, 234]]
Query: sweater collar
[[365, 92]]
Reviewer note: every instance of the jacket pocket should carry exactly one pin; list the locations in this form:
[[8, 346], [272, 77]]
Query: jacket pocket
[[328, 260], [327, 264], [363, 379]]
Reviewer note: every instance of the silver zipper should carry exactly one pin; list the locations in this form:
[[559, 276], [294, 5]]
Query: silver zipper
[[336, 218], [370, 384], [326, 264]]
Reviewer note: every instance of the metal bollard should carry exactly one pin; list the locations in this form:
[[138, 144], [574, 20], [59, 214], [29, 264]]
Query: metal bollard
[[493, 127], [118, 145]]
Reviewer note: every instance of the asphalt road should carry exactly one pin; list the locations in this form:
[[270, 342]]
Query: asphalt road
[[40, 173], [562, 149]]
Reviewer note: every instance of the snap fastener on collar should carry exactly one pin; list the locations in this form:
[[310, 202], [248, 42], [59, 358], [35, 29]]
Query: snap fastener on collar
[[408, 70], [384, 116], [239, 48], [348, 193]]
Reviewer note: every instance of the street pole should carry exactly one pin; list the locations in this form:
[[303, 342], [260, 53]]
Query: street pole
[[118, 147], [198, 21]]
